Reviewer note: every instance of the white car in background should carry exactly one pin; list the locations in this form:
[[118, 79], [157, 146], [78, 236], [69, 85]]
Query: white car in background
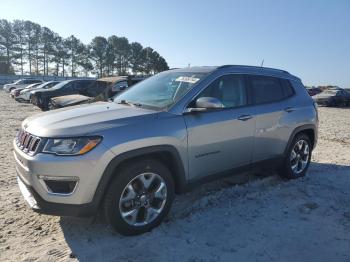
[[15, 92], [25, 94], [20, 84]]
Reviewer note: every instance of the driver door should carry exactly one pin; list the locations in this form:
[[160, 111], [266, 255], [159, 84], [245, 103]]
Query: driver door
[[221, 139]]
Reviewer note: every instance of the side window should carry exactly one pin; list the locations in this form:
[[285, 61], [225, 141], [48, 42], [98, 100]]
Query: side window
[[266, 89], [68, 87], [229, 89], [82, 85], [94, 89], [32, 81], [287, 88], [79, 85]]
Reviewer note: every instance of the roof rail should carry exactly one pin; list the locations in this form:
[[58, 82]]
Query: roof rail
[[256, 67]]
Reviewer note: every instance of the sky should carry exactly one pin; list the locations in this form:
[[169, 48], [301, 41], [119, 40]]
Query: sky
[[310, 39]]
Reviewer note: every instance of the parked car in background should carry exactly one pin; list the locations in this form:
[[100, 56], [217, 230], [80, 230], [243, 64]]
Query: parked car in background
[[114, 85], [20, 83], [15, 92], [85, 87], [333, 97], [313, 90], [127, 158], [25, 94]]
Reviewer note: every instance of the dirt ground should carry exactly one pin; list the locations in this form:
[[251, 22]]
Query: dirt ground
[[246, 218]]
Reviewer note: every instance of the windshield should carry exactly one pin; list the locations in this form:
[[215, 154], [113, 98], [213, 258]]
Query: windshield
[[47, 85], [162, 90], [58, 86], [42, 85], [31, 85]]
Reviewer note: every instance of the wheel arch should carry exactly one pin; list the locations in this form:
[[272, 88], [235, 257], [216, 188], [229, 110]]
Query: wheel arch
[[309, 130], [166, 154]]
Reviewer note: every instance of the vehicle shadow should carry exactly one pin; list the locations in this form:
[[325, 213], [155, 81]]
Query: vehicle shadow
[[92, 239]]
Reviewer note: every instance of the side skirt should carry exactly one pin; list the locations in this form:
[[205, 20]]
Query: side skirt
[[265, 164]]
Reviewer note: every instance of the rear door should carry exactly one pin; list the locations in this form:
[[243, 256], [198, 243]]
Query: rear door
[[221, 139], [274, 107]]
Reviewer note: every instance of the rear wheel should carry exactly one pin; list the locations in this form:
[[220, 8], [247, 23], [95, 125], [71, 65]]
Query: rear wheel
[[298, 158], [139, 197]]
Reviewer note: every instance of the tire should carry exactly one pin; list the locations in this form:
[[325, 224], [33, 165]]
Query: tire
[[120, 200], [51, 107], [288, 169]]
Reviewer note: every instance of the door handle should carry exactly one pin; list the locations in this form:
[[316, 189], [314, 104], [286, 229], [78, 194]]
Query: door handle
[[245, 117], [289, 109]]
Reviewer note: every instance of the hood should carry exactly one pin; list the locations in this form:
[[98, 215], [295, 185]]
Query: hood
[[85, 119], [69, 100]]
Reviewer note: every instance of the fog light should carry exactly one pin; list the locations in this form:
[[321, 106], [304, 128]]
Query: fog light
[[59, 185]]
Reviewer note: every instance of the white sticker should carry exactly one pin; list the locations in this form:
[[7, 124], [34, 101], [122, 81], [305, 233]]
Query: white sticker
[[187, 79]]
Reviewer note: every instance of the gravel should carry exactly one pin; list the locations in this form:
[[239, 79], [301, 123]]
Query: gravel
[[250, 217]]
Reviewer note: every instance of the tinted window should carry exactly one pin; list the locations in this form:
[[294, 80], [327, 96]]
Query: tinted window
[[68, 86], [31, 81], [266, 89], [229, 89], [287, 88], [79, 85], [94, 89]]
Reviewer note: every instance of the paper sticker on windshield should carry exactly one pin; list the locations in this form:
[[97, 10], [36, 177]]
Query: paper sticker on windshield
[[187, 79]]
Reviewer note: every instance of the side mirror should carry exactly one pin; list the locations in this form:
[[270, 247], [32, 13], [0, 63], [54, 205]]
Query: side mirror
[[206, 103]]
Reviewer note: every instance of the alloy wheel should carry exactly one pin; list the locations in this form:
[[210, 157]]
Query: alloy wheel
[[299, 156], [143, 199]]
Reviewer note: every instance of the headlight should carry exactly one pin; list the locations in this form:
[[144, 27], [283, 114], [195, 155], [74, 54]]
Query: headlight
[[71, 146]]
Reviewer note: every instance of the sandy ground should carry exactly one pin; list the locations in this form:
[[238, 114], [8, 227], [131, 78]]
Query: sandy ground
[[246, 218]]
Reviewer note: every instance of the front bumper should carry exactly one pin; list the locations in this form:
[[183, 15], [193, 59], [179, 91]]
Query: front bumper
[[22, 97], [41, 206], [32, 172]]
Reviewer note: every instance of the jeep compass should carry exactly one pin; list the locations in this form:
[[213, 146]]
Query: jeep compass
[[128, 158]]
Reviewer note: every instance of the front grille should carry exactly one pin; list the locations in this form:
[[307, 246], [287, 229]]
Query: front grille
[[27, 143]]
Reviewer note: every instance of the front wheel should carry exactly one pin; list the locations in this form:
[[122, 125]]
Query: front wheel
[[140, 197], [298, 158]]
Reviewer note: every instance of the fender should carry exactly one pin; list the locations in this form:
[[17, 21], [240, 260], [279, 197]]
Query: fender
[[109, 173], [299, 129]]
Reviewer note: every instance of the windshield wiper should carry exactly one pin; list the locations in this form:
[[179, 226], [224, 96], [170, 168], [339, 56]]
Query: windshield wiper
[[124, 102]]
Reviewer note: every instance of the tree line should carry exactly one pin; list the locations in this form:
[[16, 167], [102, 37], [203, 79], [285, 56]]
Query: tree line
[[28, 48]]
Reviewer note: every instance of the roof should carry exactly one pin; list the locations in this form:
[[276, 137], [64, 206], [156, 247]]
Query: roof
[[245, 69], [196, 69]]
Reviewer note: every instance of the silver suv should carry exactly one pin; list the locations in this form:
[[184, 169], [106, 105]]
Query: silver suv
[[167, 133]]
